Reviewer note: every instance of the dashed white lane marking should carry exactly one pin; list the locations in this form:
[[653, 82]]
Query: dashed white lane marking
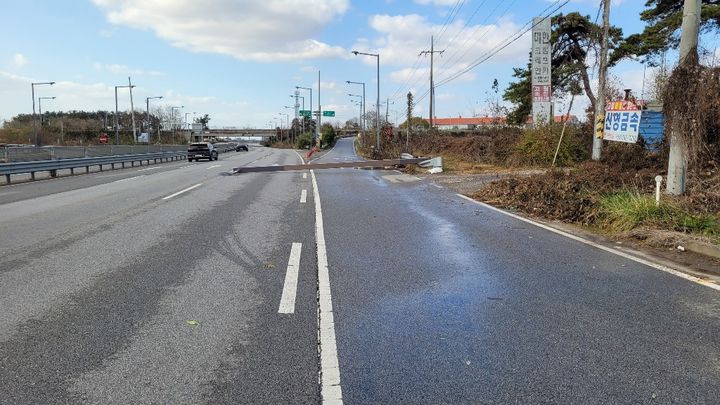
[[303, 196], [436, 185], [657, 266], [182, 191], [304, 175], [212, 167], [330, 390], [149, 168], [287, 300], [128, 179]]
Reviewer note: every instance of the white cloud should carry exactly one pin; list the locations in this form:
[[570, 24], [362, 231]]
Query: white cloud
[[270, 30], [436, 2], [123, 70], [20, 60], [405, 36], [100, 96]]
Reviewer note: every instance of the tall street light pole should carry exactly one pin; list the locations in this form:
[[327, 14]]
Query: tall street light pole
[[147, 114], [117, 128], [303, 107], [310, 90], [362, 115], [32, 89], [362, 106], [172, 114], [293, 129], [377, 104], [40, 99], [132, 111]]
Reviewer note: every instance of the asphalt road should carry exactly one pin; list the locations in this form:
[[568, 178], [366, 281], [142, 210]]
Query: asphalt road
[[120, 290]]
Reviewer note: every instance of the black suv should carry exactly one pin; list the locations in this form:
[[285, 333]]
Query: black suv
[[240, 147], [202, 150]]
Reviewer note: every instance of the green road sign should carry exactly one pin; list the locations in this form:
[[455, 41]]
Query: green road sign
[[305, 113], [328, 113]]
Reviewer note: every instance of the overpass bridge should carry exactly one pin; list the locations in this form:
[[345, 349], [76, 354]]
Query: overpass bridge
[[251, 135]]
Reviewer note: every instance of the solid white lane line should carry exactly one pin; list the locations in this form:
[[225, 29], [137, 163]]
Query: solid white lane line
[[330, 390], [601, 247], [303, 196], [304, 175], [149, 168], [287, 301], [182, 191], [129, 178], [212, 167]]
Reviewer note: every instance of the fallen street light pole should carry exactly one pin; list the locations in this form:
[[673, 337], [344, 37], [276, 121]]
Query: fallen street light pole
[[423, 162]]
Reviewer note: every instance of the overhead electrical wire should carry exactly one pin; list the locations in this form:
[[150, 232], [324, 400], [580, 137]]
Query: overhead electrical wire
[[415, 69], [451, 18], [557, 5]]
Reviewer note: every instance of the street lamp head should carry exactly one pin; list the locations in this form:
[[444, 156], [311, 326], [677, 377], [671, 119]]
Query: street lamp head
[[355, 52]]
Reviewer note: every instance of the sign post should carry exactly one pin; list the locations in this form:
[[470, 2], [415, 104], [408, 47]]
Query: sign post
[[541, 68]]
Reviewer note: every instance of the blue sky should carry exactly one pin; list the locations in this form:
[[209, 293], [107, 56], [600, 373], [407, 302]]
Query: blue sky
[[240, 60]]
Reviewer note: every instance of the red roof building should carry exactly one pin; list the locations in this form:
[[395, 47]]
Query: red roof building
[[461, 123]]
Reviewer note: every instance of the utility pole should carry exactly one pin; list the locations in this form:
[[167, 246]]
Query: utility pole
[[132, 111], [319, 125], [602, 79], [678, 160], [432, 52]]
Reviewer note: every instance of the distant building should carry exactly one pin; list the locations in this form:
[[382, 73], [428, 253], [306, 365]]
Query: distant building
[[461, 123], [471, 123], [571, 119]]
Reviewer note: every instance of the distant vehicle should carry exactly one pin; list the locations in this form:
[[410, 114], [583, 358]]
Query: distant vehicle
[[202, 150], [241, 147]]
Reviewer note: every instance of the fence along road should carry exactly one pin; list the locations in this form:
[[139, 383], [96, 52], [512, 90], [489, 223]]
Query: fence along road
[[24, 160]]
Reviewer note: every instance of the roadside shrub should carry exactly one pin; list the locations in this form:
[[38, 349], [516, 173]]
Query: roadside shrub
[[537, 146], [304, 141], [328, 135]]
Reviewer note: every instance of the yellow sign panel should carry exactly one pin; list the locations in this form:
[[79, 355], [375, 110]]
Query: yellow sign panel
[[599, 126]]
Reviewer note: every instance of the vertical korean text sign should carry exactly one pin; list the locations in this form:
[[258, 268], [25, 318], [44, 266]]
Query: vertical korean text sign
[[541, 65], [622, 122]]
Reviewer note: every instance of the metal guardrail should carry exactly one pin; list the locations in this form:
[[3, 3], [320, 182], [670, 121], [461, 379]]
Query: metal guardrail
[[9, 154], [53, 165]]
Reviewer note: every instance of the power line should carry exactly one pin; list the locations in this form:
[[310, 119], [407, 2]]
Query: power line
[[489, 54], [451, 17], [453, 57], [517, 35]]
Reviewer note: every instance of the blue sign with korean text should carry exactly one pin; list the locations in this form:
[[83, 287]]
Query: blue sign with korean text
[[622, 125]]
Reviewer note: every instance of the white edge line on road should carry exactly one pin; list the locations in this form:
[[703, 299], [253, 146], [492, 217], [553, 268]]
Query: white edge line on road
[[129, 178], [287, 301], [636, 259], [303, 196], [212, 167], [182, 191], [330, 389]]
